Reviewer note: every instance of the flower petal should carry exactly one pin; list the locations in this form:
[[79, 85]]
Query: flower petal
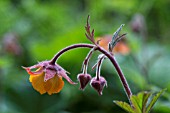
[[38, 83], [63, 74], [37, 72], [51, 86], [49, 74], [57, 85]]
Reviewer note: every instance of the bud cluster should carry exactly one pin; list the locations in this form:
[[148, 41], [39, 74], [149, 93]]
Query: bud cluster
[[98, 82]]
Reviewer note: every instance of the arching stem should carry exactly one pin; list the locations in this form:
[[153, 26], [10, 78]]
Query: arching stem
[[106, 53]]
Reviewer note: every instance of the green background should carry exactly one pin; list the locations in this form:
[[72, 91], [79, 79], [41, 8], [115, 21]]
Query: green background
[[35, 30]]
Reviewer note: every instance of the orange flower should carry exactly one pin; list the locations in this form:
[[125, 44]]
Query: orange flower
[[121, 47], [47, 78]]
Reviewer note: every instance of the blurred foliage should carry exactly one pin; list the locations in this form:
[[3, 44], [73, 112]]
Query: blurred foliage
[[141, 103], [34, 30]]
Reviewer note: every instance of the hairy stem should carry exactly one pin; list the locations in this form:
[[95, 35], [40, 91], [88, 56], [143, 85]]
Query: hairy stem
[[109, 55], [99, 67], [86, 61]]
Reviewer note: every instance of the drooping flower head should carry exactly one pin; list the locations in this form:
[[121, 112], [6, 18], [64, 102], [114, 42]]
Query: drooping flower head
[[47, 78], [98, 84], [84, 79]]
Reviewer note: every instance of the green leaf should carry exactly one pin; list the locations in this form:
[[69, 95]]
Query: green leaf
[[135, 102], [124, 106], [141, 103], [146, 96], [153, 100], [115, 38], [140, 100], [117, 33]]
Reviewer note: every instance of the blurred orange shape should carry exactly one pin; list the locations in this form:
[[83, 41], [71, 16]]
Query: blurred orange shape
[[53, 85], [121, 47]]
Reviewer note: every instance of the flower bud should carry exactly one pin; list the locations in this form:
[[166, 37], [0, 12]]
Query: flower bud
[[98, 84], [84, 80]]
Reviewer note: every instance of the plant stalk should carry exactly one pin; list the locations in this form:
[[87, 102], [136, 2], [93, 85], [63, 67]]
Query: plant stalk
[[106, 53]]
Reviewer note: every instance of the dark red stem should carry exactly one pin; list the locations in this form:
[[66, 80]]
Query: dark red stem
[[109, 55]]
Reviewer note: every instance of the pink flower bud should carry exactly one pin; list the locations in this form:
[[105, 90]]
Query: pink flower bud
[[84, 80], [98, 85]]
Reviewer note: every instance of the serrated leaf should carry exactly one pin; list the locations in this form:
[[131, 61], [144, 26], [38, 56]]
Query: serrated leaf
[[135, 102], [115, 38], [141, 103], [139, 99], [117, 32], [146, 96], [153, 100], [124, 106]]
